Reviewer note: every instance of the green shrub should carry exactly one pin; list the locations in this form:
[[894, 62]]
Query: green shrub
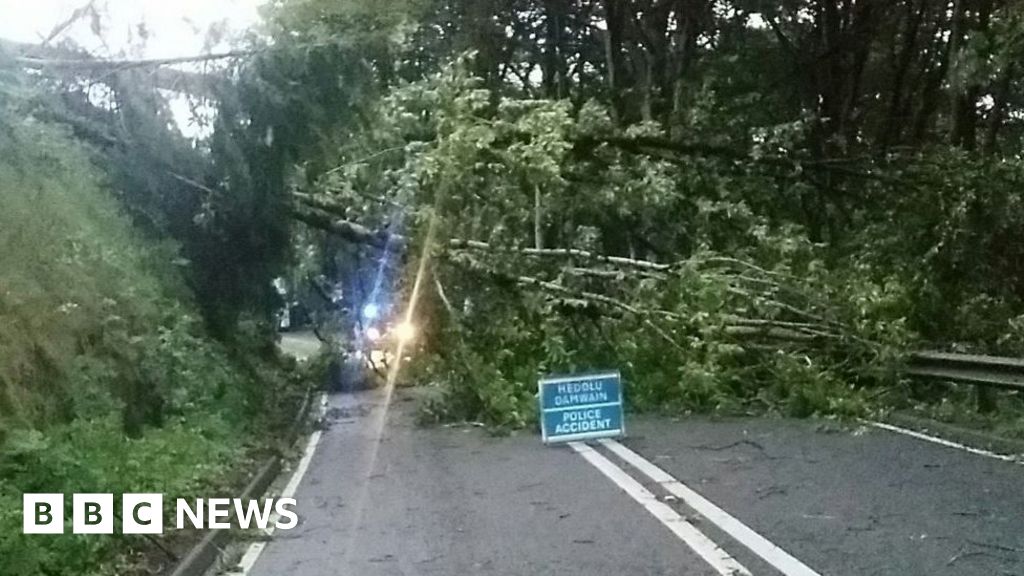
[[108, 380]]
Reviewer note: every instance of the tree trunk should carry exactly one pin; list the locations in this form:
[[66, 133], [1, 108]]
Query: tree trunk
[[958, 106], [933, 77], [538, 220], [996, 116], [554, 59], [683, 51], [613, 56], [892, 128]]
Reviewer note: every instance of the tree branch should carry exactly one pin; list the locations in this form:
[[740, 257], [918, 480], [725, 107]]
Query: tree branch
[[62, 61], [345, 229], [457, 243], [645, 144], [92, 64]]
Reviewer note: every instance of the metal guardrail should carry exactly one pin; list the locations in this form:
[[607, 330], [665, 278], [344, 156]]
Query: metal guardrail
[[205, 554], [985, 372], [994, 371]]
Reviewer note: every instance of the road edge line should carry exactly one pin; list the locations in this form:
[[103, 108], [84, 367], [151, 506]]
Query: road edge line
[[942, 441], [759, 545], [707, 549], [253, 552]]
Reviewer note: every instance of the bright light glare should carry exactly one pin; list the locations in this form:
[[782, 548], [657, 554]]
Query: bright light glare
[[371, 311], [372, 334], [405, 331]]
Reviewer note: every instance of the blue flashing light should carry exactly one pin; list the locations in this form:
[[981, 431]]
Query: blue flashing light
[[371, 311]]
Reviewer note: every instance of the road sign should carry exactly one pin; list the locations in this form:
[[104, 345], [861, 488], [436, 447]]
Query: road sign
[[581, 407]]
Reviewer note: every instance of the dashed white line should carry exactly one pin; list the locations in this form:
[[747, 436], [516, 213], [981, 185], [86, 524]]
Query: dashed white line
[[768, 551], [719, 559], [252, 554], [943, 442]]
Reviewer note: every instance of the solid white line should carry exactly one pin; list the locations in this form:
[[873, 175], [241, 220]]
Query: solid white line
[[719, 559], [769, 552], [252, 554], [943, 442]]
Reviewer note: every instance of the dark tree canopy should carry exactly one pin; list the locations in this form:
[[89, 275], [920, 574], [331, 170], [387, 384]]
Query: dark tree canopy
[[688, 186]]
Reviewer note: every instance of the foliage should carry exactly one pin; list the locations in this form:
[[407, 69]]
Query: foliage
[[704, 333], [808, 221], [93, 455], [109, 381], [745, 206], [72, 277]]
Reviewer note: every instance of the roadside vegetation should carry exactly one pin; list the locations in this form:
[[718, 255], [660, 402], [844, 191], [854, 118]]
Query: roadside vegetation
[[746, 207], [109, 379], [678, 192]]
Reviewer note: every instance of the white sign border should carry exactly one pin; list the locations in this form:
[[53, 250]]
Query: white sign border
[[619, 432]]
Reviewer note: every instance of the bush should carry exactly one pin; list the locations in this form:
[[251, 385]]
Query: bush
[[108, 380]]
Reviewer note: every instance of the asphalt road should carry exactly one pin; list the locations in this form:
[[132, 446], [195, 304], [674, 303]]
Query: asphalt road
[[858, 502], [383, 496], [457, 501], [302, 345]]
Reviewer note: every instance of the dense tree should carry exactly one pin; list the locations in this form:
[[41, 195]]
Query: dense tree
[[865, 151], [833, 144], [744, 205]]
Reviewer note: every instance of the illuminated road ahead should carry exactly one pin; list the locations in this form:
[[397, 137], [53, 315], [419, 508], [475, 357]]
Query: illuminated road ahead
[[454, 501]]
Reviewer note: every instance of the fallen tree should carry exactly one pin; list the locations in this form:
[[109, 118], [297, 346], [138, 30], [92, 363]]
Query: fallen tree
[[162, 73], [560, 249]]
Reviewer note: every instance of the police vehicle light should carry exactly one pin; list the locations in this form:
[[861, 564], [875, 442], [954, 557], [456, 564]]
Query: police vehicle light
[[405, 331]]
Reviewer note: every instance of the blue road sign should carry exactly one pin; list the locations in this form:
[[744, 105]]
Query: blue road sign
[[581, 407]]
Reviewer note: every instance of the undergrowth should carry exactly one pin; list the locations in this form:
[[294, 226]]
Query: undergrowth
[[108, 380]]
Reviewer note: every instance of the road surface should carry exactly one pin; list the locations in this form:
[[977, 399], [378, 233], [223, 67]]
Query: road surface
[[302, 345], [379, 495]]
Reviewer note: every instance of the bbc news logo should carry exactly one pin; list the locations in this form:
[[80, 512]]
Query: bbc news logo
[[144, 513]]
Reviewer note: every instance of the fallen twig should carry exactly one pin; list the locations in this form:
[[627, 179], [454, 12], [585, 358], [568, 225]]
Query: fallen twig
[[961, 554], [742, 442]]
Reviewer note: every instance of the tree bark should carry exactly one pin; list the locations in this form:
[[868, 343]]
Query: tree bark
[[345, 229], [553, 58], [538, 220], [997, 115], [892, 128], [69, 64], [958, 103], [613, 56]]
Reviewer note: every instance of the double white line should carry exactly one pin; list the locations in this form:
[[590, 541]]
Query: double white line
[[713, 554]]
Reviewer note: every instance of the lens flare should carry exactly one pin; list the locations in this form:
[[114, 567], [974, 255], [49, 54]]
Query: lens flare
[[405, 331], [389, 388]]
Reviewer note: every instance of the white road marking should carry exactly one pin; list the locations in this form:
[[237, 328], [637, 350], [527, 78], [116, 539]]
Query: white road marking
[[719, 559], [252, 554], [943, 442], [769, 552]]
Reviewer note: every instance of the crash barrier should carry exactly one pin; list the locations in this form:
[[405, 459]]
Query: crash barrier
[[987, 373], [205, 553]]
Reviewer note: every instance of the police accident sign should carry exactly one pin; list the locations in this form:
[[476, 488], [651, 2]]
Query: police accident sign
[[581, 407]]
